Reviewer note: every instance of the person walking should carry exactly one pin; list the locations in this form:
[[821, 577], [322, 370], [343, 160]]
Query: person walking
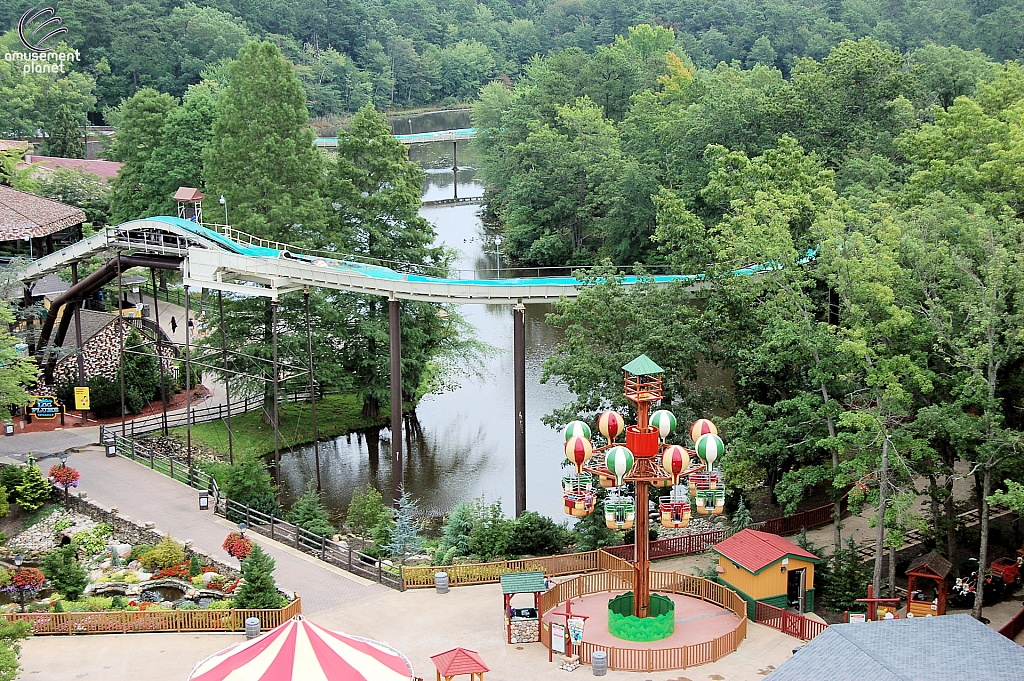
[[191, 328], [174, 325]]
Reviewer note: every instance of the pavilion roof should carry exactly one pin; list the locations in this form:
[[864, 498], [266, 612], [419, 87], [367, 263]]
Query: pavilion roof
[[643, 366], [24, 215], [934, 562], [522, 582], [459, 661]]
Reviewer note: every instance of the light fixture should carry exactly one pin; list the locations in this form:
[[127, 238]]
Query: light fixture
[[783, 568], [242, 527], [63, 458], [204, 500], [111, 450], [19, 559]]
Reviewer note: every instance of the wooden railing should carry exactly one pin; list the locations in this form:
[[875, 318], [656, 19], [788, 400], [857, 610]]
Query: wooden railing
[[684, 545], [660, 659], [815, 517], [419, 577], [1012, 629], [791, 623], [327, 550], [128, 622]]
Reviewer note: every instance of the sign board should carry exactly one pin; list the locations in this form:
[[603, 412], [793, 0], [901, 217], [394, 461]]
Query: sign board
[[46, 407], [82, 399], [558, 638], [858, 617], [575, 625]]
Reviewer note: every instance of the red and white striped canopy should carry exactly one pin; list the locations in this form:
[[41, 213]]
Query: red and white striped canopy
[[299, 650]]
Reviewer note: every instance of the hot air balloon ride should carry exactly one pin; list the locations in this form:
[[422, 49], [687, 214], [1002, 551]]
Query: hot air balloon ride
[[611, 425], [578, 450], [576, 429], [675, 511], [664, 421], [702, 427]]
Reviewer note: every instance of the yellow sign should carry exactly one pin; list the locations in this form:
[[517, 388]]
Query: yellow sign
[[82, 399]]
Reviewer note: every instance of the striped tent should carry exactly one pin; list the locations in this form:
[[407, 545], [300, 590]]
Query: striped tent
[[299, 650]]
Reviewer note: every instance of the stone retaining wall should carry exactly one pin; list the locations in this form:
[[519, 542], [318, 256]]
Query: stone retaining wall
[[128, 531]]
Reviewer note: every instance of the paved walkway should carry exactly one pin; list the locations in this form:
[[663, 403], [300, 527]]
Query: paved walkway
[[147, 496]]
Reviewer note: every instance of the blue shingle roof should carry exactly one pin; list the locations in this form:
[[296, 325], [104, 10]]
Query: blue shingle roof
[[953, 647]]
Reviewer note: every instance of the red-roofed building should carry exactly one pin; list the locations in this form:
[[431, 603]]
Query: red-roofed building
[[459, 661], [765, 567], [107, 170]]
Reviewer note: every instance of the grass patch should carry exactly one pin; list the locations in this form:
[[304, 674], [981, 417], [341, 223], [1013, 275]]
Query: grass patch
[[39, 514], [335, 414]]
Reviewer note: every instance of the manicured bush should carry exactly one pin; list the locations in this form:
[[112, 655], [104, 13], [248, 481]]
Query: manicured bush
[[164, 555], [258, 590], [309, 513], [65, 573], [10, 477], [138, 551], [195, 568], [34, 491], [536, 535], [365, 511]]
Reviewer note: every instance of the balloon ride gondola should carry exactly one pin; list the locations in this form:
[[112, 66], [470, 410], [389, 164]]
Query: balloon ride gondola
[[645, 460]]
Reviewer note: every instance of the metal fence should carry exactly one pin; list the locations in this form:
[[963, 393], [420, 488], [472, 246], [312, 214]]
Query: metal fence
[[216, 412], [327, 550], [169, 466]]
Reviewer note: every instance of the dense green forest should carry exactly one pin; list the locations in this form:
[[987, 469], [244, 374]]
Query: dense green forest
[[400, 53]]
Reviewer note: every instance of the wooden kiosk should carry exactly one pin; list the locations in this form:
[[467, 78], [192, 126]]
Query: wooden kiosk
[[522, 625], [929, 567]]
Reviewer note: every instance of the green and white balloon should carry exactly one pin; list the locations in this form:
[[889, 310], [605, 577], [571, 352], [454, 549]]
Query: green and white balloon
[[619, 461], [664, 421], [576, 429], [710, 449]]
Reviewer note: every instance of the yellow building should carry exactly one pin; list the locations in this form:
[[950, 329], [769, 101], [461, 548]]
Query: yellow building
[[765, 567]]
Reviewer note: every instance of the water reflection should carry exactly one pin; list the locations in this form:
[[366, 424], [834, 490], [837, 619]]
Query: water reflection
[[460, 444]]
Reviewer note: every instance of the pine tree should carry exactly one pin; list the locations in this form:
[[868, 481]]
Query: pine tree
[[139, 133], [309, 513], [262, 157], [195, 568], [365, 511], [65, 573], [405, 534], [178, 160], [34, 491], [65, 135], [258, 590], [249, 483]]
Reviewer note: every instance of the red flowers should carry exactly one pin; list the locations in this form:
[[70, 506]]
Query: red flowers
[[65, 476], [28, 579], [237, 545], [175, 571]]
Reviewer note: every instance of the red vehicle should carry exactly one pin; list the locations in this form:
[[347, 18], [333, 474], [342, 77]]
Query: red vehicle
[[1007, 568]]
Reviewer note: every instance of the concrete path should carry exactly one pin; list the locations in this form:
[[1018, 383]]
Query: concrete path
[[419, 622], [147, 496]]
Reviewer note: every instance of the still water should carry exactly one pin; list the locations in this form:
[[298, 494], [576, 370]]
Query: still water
[[460, 444]]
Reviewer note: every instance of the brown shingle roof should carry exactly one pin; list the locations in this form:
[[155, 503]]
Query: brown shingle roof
[[936, 563], [24, 215]]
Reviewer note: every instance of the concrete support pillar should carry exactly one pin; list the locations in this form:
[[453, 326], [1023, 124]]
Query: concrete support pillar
[[519, 362], [395, 331]]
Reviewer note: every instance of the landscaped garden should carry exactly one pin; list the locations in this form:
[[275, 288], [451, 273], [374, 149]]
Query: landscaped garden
[[62, 561]]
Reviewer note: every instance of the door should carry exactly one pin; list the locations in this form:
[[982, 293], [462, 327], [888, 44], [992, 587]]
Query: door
[[796, 589]]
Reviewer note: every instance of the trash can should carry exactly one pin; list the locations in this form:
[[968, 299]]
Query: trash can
[[441, 582], [252, 627], [599, 661]]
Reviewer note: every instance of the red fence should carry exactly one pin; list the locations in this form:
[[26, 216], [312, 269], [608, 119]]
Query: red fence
[[1012, 629], [674, 546], [788, 622], [815, 517]]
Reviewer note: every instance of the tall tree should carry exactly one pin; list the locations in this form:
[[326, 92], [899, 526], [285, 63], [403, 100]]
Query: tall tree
[[65, 135], [136, 137], [262, 157]]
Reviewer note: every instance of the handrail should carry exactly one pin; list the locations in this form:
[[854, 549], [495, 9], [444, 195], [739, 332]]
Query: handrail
[[327, 550], [794, 624], [176, 470]]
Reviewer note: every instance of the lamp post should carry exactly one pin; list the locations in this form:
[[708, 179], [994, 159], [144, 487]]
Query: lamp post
[[67, 494], [242, 527], [497, 253], [18, 560], [224, 202]]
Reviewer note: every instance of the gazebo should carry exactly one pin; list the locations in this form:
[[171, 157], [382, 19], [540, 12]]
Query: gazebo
[[299, 650], [27, 217], [929, 567], [459, 661]]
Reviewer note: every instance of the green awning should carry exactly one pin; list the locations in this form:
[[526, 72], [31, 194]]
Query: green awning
[[642, 366], [522, 582]]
